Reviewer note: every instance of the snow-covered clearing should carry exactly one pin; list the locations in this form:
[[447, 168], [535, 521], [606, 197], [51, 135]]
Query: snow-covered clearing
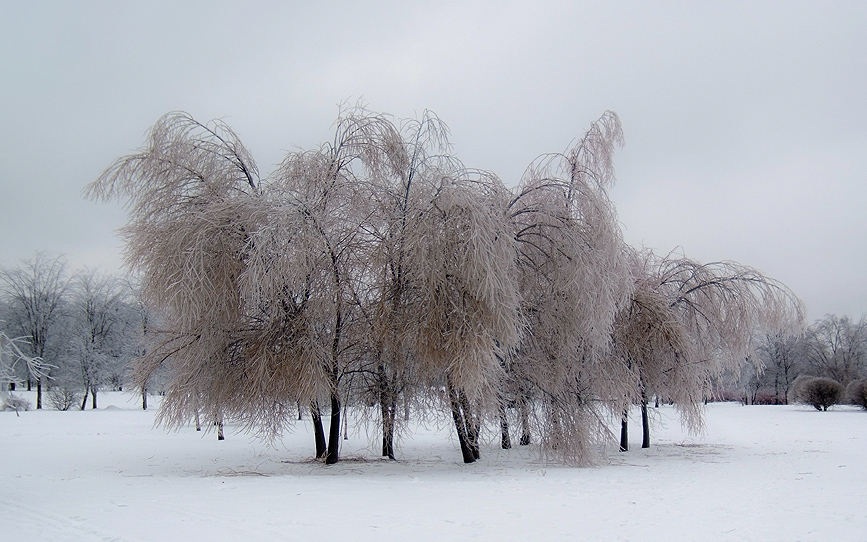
[[759, 473]]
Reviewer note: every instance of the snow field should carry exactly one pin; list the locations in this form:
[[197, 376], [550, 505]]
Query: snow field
[[758, 473]]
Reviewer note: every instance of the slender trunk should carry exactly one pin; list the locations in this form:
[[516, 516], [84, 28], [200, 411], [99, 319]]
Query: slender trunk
[[525, 423], [144, 399], [387, 406], [39, 394], [333, 453], [29, 384], [300, 416], [645, 425], [318, 431], [93, 398], [473, 425], [460, 426], [505, 441], [788, 384], [219, 422], [84, 399], [624, 432], [345, 421]]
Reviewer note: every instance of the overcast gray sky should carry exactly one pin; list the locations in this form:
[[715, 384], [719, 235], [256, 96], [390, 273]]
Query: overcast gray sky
[[745, 122]]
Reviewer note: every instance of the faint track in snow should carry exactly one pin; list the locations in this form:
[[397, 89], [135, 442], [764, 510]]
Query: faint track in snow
[[48, 526]]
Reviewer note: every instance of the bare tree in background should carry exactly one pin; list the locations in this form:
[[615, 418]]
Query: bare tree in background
[[101, 330], [836, 347], [781, 355], [34, 292]]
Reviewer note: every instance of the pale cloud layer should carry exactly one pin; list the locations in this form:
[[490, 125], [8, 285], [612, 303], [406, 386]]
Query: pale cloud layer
[[746, 124]]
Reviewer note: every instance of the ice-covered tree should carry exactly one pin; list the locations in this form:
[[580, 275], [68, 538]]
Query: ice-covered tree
[[307, 264], [34, 293], [688, 323], [442, 299], [573, 279], [102, 334], [190, 193], [377, 269]]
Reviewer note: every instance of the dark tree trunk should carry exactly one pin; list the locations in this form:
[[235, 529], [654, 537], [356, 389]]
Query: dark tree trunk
[[318, 431], [472, 424], [460, 426], [333, 453], [144, 399], [387, 407], [525, 423], [645, 425], [29, 384], [505, 441], [93, 398], [624, 432], [39, 394], [300, 413], [84, 399]]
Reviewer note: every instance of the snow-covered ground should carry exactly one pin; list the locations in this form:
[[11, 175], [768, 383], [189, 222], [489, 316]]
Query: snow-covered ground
[[758, 473]]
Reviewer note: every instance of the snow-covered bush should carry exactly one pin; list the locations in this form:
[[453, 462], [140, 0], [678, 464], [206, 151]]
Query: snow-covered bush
[[820, 392], [63, 396], [856, 393], [16, 403]]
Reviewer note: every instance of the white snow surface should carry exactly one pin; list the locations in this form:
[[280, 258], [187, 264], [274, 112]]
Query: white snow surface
[[758, 473]]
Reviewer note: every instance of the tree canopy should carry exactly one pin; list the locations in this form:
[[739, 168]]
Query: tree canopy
[[377, 270]]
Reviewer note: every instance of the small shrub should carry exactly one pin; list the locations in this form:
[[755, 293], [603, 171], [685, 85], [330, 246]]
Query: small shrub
[[856, 393], [819, 392], [62, 397], [13, 402]]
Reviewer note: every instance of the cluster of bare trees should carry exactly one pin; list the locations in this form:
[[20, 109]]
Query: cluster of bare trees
[[833, 347], [379, 271], [71, 335]]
